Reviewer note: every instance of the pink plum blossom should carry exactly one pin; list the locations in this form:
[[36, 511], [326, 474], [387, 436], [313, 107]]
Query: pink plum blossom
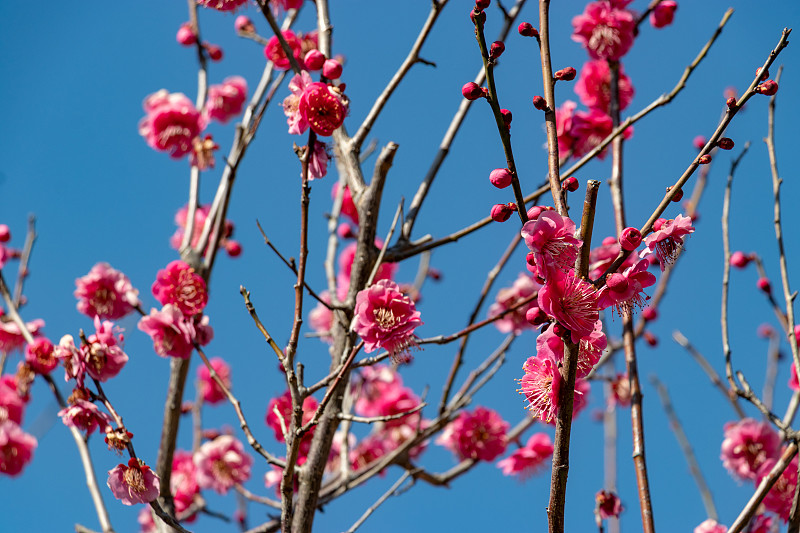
[[564, 115], [666, 241], [273, 51], [104, 356], [367, 451], [321, 318], [200, 216], [348, 206], [283, 418], [376, 386], [40, 356], [528, 459], [605, 30], [16, 448], [145, 521], [551, 238], [385, 318], [291, 104], [589, 128], [572, 301], [73, 360], [11, 337], [523, 288], [608, 504], [603, 256], [85, 416], [624, 292], [182, 482], [318, 164], [323, 107], [590, 347], [541, 384], [171, 123], [105, 292], [12, 405], [761, 523], [181, 286], [211, 391], [225, 101], [593, 86], [663, 14], [480, 434], [173, 333], [222, 5], [747, 446], [345, 261], [779, 498], [134, 483], [221, 463]]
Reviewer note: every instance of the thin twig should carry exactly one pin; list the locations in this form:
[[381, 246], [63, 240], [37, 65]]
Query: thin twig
[[372, 508], [22, 269]]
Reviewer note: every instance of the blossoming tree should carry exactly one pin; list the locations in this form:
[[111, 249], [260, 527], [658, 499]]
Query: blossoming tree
[[362, 360]]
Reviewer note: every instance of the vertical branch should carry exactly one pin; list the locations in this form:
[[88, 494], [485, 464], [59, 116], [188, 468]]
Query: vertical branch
[[610, 449], [566, 396], [550, 111]]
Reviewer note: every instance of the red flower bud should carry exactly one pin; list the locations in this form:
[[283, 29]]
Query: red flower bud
[[650, 339], [678, 195], [314, 60], [731, 102], [233, 248], [506, 117], [566, 74], [539, 103], [535, 316], [501, 212], [332, 69], [704, 160], [214, 51], [535, 211], [649, 314], [764, 285], [740, 259], [471, 91], [630, 239], [699, 142], [435, 274], [768, 88], [658, 223], [5, 233], [345, 231], [186, 35], [570, 184], [725, 143], [480, 5], [764, 75], [500, 178], [243, 24], [477, 18], [497, 49], [527, 30]]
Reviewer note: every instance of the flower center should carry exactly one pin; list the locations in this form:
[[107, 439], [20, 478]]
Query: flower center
[[135, 479], [385, 318]]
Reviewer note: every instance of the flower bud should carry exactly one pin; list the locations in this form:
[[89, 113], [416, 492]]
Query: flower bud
[[658, 223], [650, 339], [233, 248], [471, 91], [500, 178], [332, 69], [704, 159], [768, 88], [480, 5], [501, 212], [243, 24], [559, 330], [764, 285], [214, 51], [527, 30], [764, 75], [570, 184], [535, 316], [186, 35], [314, 60], [630, 239], [345, 231], [731, 102], [765, 331], [699, 142], [678, 195], [617, 282], [535, 211], [725, 143], [740, 259], [649, 314], [5, 233], [506, 117], [497, 49], [539, 103], [663, 14], [435, 274], [478, 18], [566, 74]]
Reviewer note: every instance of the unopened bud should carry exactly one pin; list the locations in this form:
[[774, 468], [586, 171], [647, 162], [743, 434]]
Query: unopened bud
[[764, 285], [186, 35], [535, 316], [214, 51], [314, 60], [435, 274], [345, 231], [5, 233], [243, 24], [699, 142], [233, 248], [570, 184], [740, 259], [500, 177], [471, 91], [539, 103], [678, 195], [725, 143], [731, 102], [650, 339], [649, 314], [566, 74], [658, 223], [506, 117], [630, 239], [559, 330], [480, 5], [768, 88], [501, 212], [332, 69], [535, 211], [704, 159], [497, 49], [477, 18], [764, 75], [527, 30]]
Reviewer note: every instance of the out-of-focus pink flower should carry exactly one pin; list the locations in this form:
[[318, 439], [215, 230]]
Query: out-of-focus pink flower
[[286, 5], [182, 482], [291, 104], [221, 463], [181, 286], [605, 30], [779, 498], [104, 356], [225, 101], [589, 349], [283, 404], [480, 434], [12, 405], [551, 238], [594, 86], [321, 318], [524, 287], [348, 206], [794, 383], [85, 416], [667, 241], [528, 459], [222, 5], [134, 483], [761, 523], [564, 115], [710, 526], [273, 51], [386, 318], [588, 129], [318, 164], [212, 393], [171, 123], [347, 256], [663, 14], [625, 291], [200, 216], [747, 446], [323, 107], [105, 292], [40, 355], [173, 333], [377, 385], [73, 360], [600, 258], [145, 520], [608, 504], [572, 301], [16, 448], [621, 391], [367, 451]]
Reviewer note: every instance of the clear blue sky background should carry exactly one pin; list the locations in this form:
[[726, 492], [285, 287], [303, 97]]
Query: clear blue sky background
[[74, 76]]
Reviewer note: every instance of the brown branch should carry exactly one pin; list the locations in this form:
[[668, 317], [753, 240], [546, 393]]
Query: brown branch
[[22, 269], [386, 495], [252, 310]]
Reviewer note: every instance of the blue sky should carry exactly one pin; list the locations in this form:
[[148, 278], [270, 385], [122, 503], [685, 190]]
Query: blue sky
[[75, 76]]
